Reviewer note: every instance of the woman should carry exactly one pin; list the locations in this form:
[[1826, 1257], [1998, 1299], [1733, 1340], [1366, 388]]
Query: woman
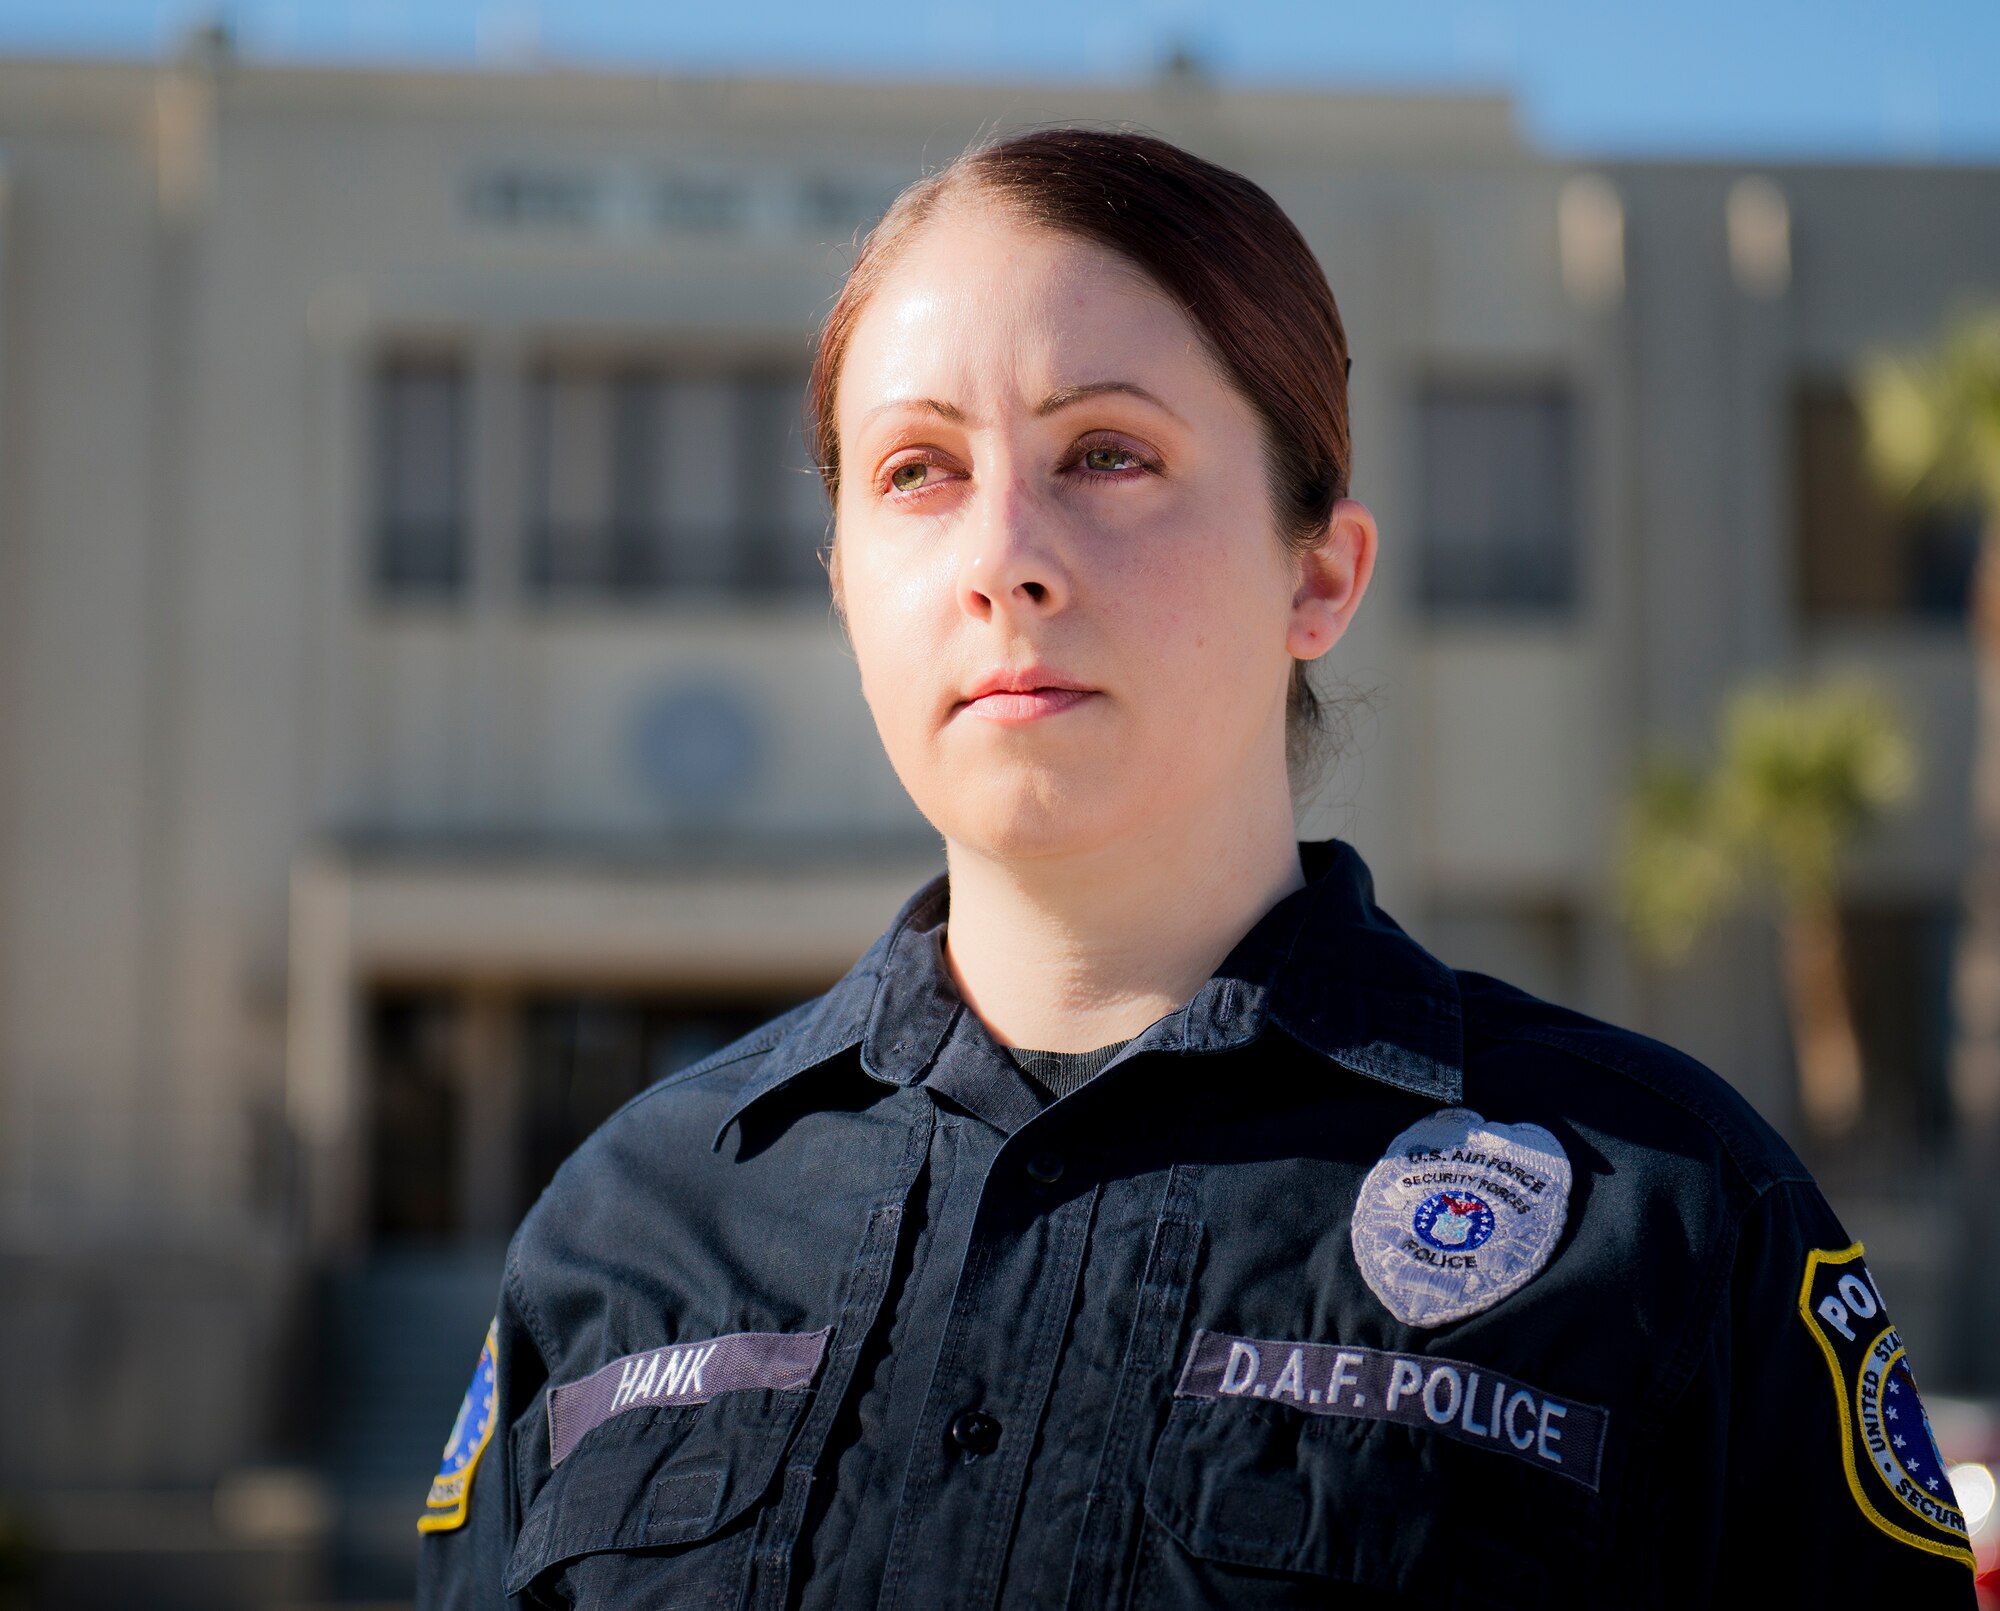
[[1146, 1219]]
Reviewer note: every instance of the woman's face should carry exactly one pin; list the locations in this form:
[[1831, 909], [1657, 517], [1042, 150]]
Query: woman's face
[[1074, 619]]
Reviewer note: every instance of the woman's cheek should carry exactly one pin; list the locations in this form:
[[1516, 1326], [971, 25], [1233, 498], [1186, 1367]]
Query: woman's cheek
[[892, 681], [1183, 618]]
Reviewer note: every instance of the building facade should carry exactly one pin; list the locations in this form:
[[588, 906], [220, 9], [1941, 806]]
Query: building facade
[[422, 722]]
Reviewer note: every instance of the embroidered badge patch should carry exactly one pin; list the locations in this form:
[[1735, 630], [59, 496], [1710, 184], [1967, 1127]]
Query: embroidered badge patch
[[1467, 1403], [451, 1488], [1458, 1215], [682, 1373], [1894, 1469]]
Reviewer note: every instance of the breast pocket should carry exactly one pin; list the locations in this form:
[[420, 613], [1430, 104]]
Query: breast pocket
[[1257, 1505], [657, 1507]]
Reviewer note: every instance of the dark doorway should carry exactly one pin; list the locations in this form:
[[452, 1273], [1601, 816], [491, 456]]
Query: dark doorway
[[477, 1096]]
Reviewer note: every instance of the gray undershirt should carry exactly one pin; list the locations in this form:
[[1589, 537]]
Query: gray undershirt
[[1056, 1074]]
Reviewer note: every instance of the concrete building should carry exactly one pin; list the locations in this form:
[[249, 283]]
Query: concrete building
[[421, 720]]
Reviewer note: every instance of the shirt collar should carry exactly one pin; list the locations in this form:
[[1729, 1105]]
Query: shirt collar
[[1325, 964]]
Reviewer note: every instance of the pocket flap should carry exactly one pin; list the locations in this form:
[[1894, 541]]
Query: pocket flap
[[1251, 1484], [1247, 1483], [657, 1476]]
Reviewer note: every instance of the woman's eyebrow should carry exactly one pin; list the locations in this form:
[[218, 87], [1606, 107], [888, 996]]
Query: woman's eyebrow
[[917, 405], [1063, 396]]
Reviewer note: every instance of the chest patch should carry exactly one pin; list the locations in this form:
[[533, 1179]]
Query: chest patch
[[1467, 1403], [681, 1373], [1459, 1214]]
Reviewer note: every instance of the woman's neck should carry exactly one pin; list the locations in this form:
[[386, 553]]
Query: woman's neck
[[1069, 953]]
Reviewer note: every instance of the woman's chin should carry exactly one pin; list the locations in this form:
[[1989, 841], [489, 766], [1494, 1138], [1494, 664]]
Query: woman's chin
[[1013, 823]]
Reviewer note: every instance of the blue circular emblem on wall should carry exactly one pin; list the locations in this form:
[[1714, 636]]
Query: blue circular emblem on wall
[[1453, 1221], [697, 745]]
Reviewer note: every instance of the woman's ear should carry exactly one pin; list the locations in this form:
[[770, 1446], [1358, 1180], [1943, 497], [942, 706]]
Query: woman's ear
[[1332, 577]]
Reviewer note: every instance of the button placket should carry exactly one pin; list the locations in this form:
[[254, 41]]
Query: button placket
[[778, 1526], [943, 1492], [1113, 1515]]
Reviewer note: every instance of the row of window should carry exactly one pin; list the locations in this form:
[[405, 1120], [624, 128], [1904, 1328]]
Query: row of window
[[642, 480], [1856, 553], [638, 480]]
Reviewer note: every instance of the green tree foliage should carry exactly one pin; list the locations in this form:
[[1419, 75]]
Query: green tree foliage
[[1932, 423], [1931, 418], [1799, 776]]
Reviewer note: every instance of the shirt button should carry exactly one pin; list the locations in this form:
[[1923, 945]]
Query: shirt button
[[976, 1432], [1044, 1168]]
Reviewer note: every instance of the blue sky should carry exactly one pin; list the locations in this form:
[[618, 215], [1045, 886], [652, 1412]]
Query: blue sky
[[1830, 78]]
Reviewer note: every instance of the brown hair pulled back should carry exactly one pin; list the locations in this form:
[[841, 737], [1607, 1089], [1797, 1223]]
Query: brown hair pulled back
[[1214, 242]]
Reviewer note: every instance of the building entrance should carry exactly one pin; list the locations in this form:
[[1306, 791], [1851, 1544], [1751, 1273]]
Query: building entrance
[[474, 1097]]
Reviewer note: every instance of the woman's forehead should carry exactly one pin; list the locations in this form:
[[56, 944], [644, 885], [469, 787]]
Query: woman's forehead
[[983, 300], [972, 224]]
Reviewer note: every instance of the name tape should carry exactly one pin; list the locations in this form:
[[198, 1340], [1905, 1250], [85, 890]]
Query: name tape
[[682, 1373], [1468, 1403]]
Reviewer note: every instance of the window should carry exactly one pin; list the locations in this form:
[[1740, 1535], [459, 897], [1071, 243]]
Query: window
[[585, 1055], [786, 503], [420, 497], [1496, 505], [414, 1114], [645, 480], [1857, 555], [1899, 964]]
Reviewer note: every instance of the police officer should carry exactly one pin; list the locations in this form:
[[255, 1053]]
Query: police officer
[[1146, 1220]]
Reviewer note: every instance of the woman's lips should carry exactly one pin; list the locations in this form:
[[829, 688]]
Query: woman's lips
[[1026, 706]]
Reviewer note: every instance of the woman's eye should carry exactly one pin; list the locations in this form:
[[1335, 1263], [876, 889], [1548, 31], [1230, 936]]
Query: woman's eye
[[909, 477], [1109, 459]]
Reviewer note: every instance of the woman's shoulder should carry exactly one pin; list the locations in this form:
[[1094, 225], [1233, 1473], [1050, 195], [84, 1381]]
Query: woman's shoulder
[[1635, 1091], [711, 1081], [673, 1123]]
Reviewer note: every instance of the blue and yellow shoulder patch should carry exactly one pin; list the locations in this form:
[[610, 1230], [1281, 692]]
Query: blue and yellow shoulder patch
[[451, 1488], [1894, 1469]]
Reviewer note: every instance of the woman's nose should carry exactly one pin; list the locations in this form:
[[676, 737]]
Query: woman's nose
[[1010, 564]]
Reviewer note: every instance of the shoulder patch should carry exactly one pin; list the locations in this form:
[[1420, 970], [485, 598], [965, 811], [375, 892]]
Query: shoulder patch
[[451, 1488], [1893, 1466], [1459, 1214]]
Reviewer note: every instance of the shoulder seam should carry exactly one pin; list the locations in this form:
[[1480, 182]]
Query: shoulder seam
[[1699, 1335], [531, 1319], [762, 1039], [1758, 1175]]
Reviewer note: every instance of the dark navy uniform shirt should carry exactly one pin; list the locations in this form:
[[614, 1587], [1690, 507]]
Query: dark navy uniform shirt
[[1355, 1281]]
